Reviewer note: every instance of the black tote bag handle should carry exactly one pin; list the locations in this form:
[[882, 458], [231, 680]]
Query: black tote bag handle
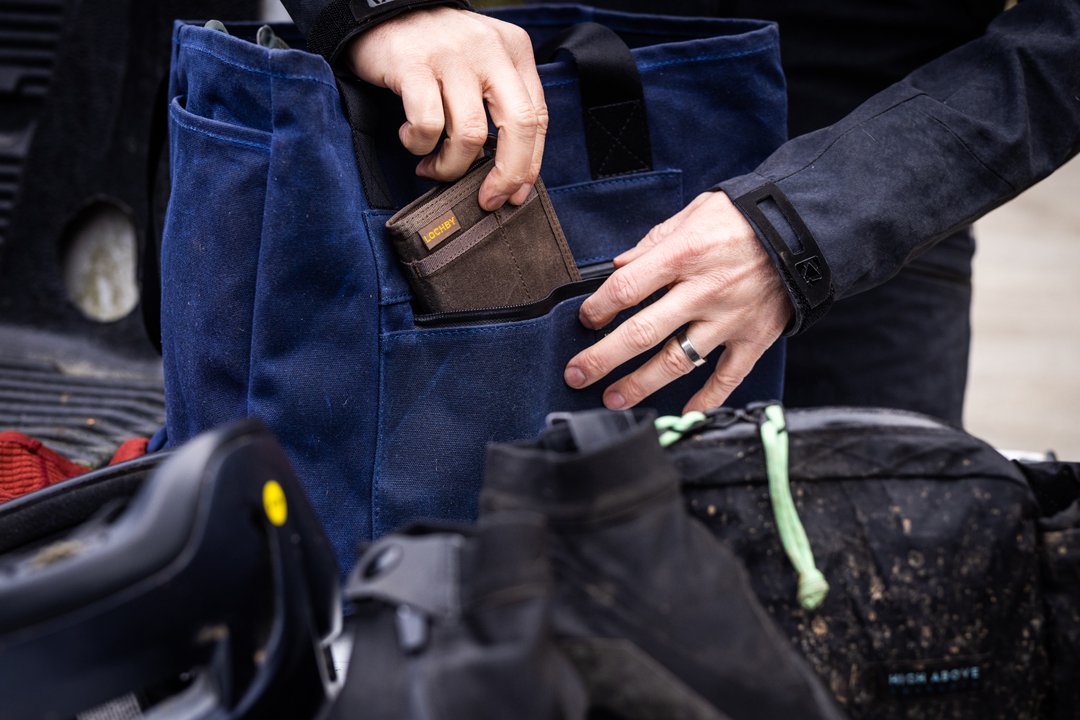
[[360, 109], [612, 99]]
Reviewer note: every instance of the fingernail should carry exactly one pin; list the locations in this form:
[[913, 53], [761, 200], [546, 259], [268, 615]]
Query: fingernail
[[614, 400], [574, 377], [423, 168], [522, 193]]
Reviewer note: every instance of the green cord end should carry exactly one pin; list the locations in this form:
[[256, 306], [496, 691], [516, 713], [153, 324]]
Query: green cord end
[[813, 588], [774, 440], [673, 427]]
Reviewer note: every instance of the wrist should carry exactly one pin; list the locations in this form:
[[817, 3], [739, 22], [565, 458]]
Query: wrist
[[790, 245], [342, 21]]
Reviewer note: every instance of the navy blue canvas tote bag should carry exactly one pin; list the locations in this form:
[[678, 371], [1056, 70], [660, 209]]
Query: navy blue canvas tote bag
[[282, 298]]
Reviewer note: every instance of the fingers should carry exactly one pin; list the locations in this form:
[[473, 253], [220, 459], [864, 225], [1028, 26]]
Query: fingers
[[466, 130], [641, 332], [521, 53], [513, 113], [626, 287], [667, 365], [734, 365], [660, 232], [422, 99], [446, 63]]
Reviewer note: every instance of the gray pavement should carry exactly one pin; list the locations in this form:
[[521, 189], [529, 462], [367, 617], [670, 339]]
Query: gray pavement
[[1024, 382]]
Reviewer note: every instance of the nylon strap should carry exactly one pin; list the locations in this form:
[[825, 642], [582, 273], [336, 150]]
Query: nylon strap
[[612, 98]]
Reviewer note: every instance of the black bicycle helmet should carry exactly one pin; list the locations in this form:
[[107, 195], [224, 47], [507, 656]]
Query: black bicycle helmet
[[197, 585]]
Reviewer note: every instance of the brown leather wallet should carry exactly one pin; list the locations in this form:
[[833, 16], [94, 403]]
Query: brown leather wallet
[[460, 257]]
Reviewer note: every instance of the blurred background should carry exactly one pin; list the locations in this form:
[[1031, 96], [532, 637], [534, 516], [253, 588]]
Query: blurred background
[[1024, 384]]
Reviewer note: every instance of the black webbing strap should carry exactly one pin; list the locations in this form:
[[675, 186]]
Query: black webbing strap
[[358, 104], [594, 429], [612, 98]]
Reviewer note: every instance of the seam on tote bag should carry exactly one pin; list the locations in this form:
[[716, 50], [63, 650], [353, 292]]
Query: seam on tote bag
[[374, 508], [633, 26], [259, 263], [223, 138], [260, 71], [678, 61], [638, 179], [704, 58]]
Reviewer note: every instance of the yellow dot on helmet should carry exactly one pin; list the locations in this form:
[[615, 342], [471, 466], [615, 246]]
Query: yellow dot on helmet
[[277, 510]]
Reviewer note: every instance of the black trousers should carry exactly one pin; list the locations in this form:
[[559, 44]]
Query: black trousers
[[903, 344]]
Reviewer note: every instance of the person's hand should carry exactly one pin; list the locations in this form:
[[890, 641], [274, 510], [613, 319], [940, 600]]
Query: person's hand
[[445, 63], [720, 280]]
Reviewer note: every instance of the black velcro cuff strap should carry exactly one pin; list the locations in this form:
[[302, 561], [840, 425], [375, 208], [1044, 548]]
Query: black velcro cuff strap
[[342, 20], [794, 250]]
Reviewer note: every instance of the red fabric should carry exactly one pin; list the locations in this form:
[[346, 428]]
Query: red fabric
[[129, 450], [27, 465]]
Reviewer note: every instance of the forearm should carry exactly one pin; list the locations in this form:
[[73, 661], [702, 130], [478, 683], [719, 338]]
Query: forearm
[[950, 142]]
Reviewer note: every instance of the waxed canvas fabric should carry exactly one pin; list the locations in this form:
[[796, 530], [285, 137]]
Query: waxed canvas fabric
[[283, 298], [929, 541]]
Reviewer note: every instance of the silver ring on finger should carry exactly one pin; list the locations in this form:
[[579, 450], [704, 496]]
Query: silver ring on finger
[[688, 348]]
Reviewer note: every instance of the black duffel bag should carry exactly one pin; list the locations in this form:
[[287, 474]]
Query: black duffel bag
[[1057, 488], [925, 536]]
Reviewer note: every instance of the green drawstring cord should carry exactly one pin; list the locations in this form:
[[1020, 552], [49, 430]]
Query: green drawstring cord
[[672, 427], [774, 438]]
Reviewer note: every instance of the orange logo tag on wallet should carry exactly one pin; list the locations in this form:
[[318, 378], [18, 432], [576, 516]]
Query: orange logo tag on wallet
[[442, 228]]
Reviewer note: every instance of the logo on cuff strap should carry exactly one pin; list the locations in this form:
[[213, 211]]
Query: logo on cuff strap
[[809, 270]]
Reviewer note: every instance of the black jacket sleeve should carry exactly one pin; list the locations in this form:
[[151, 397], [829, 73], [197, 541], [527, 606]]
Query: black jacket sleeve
[[329, 25], [841, 209]]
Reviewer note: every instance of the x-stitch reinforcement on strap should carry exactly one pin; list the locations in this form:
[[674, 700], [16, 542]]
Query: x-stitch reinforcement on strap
[[616, 140]]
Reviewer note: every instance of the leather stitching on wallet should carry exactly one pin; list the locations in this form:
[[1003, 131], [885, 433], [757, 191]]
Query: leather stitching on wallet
[[517, 265], [560, 236]]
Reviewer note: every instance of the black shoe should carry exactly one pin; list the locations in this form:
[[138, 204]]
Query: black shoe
[[645, 595], [455, 623]]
